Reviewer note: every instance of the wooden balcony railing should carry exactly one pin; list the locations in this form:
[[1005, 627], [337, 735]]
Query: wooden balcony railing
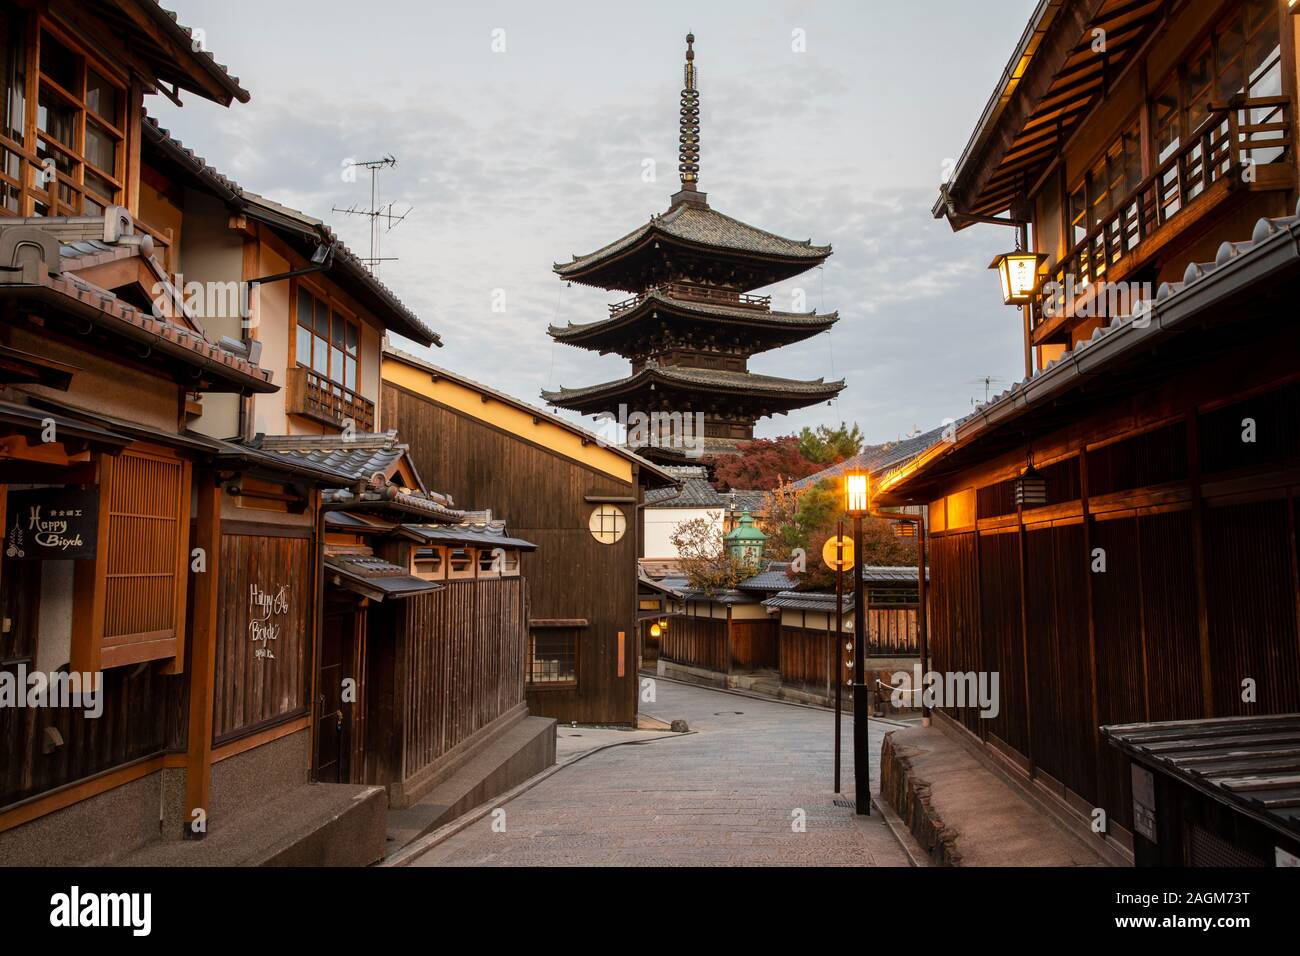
[[1239, 142], [696, 293], [314, 396]]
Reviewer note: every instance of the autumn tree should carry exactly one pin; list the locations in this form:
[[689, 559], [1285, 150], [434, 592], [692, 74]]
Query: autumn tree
[[708, 565], [761, 465]]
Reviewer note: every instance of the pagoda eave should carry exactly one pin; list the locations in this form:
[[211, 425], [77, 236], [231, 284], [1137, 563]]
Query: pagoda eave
[[651, 388], [767, 329]]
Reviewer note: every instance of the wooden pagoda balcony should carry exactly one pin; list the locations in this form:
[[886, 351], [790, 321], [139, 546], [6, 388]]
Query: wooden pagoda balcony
[[697, 293], [314, 396], [1251, 133]]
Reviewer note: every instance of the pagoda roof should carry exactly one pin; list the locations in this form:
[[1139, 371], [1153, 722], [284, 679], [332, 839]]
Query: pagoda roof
[[694, 224], [793, 393], [787, 327]]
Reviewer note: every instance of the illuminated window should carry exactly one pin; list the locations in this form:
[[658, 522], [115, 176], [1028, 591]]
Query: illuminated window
[[608, 524]]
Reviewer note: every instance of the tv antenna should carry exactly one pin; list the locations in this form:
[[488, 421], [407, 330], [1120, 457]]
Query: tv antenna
[[988, 381], [376, 213]]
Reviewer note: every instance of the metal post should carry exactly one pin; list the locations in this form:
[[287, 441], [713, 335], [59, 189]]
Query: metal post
[[837, 660], [922, 618], [861, 727]]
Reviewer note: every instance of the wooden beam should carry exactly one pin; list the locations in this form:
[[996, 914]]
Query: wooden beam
[[203, 657]]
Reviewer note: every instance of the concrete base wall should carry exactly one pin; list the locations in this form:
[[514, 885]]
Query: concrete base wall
[[92, 832]]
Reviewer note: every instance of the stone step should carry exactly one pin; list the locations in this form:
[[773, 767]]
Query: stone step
[[324, 824], [524, 749]]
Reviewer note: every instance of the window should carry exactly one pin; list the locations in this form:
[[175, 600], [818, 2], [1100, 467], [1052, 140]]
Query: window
[[553, 657], [427, 563], [460, 563], [608, 524], [328, 342]]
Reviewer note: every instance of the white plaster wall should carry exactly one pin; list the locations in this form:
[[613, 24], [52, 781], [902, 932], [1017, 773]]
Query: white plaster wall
[[660, 523]]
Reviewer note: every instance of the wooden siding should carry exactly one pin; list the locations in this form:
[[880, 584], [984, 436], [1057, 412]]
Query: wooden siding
[[462, 664], [542, 497], [1078, 647], [754, 644], [251, 690], [696, 641]]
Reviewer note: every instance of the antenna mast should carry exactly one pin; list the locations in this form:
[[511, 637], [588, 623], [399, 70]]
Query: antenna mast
[[375, 212]]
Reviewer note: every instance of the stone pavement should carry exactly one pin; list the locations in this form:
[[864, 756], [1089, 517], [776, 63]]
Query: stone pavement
[[725, 795]]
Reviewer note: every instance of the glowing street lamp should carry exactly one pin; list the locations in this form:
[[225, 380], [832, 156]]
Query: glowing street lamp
[[1019, 274], [857, 505]]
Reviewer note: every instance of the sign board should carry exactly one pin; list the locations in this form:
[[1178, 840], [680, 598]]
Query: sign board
[[52, 524], [1144, 802], [829, 551]]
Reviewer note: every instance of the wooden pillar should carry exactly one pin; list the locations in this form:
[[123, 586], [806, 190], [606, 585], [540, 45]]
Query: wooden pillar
[[727, 643], [1097, 743], [203, 658], [1021, 536], [1198, 554]]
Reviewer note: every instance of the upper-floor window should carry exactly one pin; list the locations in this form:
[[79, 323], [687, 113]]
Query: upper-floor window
[[73, 161], [1105, 187], [1242, 56], [328, 342]]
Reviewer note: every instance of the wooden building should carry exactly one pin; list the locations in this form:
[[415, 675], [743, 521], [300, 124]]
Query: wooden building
[[1116, 535], [556, 485], [693, 322], [191, 383]]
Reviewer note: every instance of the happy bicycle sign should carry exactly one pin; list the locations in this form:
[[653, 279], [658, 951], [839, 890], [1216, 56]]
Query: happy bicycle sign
[[51, 524]]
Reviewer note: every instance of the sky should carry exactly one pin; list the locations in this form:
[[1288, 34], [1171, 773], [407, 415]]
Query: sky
[[527, 132]]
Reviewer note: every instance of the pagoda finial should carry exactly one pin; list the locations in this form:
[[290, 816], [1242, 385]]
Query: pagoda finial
[[689, 152]]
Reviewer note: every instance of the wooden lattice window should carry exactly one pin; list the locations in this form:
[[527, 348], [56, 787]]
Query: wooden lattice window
[[553, 657], [131, 605]]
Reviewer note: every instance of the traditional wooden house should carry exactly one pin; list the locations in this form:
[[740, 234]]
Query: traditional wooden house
[[114, 568], [809, 652], [395, 702], [692, 323], [1116, 535], [560, 487]]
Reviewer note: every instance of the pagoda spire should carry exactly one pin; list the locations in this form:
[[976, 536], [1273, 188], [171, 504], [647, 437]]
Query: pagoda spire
[[688, 154]]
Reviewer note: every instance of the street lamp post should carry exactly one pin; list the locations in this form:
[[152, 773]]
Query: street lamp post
[[857, 494]]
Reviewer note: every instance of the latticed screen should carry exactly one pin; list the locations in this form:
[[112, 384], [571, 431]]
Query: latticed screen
[[553, 656], [147, 518], [607, 524]]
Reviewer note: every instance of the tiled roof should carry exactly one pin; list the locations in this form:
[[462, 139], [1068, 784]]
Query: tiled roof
[[807, 601], [363, 572], [359, 458], [696, 492], [1274, 248], [39, 258], [1248, 763], [704, 378], [478, 535], [775, 577], [696, 223], [812, 322], [399, 318], [876, 459], [183, 37]]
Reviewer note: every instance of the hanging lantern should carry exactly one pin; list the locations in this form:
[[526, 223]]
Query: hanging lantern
[[655, 630], [663, 624], [1019, 274], [905, 529], [1031, 489]]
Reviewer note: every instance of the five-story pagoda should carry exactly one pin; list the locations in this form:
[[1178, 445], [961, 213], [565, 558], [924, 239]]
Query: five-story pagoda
[[692, 323]]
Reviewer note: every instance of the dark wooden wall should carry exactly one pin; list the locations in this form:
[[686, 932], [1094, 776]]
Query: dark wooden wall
[[251, 692], [695, 641], [1077, 649], [754, 644], [540, 494], [461, 665]]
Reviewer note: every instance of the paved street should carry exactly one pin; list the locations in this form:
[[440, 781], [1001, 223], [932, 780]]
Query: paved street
[[726, 795]]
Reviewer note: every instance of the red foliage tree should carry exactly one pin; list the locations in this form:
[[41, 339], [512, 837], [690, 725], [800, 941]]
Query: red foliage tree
[[762, 465]]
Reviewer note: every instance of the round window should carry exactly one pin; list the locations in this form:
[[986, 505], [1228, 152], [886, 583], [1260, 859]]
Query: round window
[[607, 524]]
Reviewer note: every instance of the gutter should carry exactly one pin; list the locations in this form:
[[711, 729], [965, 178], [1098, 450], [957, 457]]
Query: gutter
[[1270, 255]]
